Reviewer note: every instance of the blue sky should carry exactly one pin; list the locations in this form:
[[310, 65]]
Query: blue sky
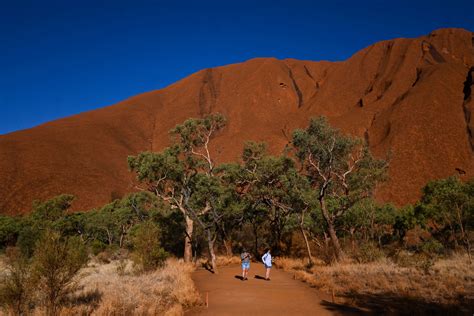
[[59, 58]]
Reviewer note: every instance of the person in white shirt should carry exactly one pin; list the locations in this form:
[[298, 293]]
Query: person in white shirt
[[267, 261]]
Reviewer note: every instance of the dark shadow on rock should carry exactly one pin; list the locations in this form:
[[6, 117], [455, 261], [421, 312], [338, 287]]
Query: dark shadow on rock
[[239, 277], [259, 277]]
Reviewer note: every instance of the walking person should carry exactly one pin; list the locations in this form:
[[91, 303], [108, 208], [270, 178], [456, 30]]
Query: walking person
[[267, 261], [245, 258]]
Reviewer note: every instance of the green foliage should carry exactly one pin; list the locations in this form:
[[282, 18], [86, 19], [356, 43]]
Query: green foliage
[[432, 247], [51, 210], [27, 238], [407, 218], [195, 133], [368, 220], [148, 253], [271, 192], [55, 264], [112, 223], [97, 246], [337, 165], [9, 230], [449, 206]]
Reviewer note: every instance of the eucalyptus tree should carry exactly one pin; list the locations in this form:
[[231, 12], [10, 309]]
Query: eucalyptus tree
[[340, 169], [183, 176]]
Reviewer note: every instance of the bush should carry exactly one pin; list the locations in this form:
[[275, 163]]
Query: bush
[[147, 251], [432, 247], [9, 230], [16, 285], [368, 252], [27, 238], [56, 262], [418, 261], [97, 247]]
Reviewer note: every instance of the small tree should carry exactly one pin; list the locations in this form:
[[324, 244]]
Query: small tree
[[55, 264], [16, 284], [148, 253], [45, 215], [340, 168], [449, 204]]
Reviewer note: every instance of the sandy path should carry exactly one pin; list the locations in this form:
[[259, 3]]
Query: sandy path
[[283, 295]]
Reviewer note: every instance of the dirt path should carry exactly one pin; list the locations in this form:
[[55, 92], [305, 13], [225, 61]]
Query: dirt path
[[228, 295]]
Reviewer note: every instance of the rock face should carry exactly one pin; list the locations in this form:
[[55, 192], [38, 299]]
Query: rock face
[[410, 98]]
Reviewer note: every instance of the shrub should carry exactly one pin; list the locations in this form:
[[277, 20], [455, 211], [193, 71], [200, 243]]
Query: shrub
[[147, 251], [9, 230], [432, 247], [418, 261], [27, 238], [16, 284], [56, 262], [368, 252], [97, 247]]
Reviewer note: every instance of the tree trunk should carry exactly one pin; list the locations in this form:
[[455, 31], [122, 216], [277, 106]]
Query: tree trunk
[[188, 246], [228, 247], [335, 242], [121, 240], [308, 248], [212, 255], [331, 230], [351, 231], [109, 237]]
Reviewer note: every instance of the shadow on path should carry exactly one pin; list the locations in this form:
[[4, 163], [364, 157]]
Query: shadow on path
[[388, 303], [341, 309]]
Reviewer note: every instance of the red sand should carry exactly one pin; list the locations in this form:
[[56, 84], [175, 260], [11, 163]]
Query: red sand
[[410, 98]]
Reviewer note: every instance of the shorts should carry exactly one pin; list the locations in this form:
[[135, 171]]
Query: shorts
[[267, 267], [245, 265]]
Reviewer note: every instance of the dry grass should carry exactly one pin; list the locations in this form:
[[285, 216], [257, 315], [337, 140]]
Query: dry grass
[[449, 282], [113, 289], [225, 261]]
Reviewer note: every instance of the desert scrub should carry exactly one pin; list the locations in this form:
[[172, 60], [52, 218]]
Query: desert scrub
[[368, 252], [169, 290], [55, 265], [147, 252], [16, 286]]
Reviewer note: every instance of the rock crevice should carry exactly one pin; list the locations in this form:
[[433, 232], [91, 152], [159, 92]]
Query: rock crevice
[[467, 91]]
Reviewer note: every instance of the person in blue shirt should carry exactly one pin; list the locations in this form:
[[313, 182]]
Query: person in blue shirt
[[245, 258], [267, 261]]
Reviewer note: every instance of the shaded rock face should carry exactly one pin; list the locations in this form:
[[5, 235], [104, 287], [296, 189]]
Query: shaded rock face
[[411, 99]]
